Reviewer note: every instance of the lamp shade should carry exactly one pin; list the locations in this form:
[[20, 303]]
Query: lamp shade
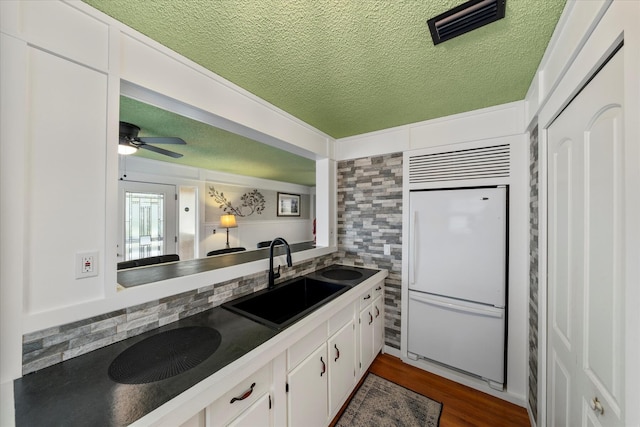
[[228, 221]]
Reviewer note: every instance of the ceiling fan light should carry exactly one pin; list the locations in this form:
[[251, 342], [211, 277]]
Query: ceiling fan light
[[125, 148]]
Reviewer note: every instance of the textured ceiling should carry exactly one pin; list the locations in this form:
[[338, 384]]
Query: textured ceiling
[[215, 149], [350, 67]]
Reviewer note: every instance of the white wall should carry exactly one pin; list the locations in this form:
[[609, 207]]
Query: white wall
[[492, 122], [586, 35], [63, 65]]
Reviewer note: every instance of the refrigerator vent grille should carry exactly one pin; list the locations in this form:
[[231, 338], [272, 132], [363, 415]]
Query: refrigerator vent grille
[[475, 163]]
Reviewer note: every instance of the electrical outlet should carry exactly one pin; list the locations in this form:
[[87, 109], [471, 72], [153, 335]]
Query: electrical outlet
[[86, 264], [387, 249]]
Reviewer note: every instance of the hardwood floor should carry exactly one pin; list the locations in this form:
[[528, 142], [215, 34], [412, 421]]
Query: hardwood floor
[[462, 406]]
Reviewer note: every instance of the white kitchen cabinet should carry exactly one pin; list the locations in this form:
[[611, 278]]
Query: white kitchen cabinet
[[239, 404], [365, 324], [342, 365], [309, 375], [370, 325], [327, 374], [307, 391], [257, 415], [378, 323]]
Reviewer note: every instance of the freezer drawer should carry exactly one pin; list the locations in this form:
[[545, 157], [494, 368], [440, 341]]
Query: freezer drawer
[[466, 336]]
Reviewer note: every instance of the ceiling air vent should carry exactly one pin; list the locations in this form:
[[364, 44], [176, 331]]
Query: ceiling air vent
[[475, 163], [464, 18]]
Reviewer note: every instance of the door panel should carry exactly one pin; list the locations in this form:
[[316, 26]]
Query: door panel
[[586, 255], [603, 358], [560, 248], [307, 398], [147, 220], [561, 386]]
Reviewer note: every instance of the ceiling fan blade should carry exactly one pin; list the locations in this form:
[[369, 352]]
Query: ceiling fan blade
[[161, 140], [160, 151]]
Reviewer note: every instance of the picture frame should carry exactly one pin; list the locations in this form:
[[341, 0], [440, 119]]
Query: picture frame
[[288, 204]]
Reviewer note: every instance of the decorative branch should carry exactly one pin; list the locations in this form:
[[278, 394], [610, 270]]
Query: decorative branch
[[253, 200]]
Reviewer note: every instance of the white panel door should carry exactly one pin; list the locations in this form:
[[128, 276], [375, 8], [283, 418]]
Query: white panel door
[[586, 377], [342, 366]]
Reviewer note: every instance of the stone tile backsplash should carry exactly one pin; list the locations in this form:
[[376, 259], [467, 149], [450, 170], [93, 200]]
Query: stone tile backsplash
[[54, 345], [534, 184], [369, 216]]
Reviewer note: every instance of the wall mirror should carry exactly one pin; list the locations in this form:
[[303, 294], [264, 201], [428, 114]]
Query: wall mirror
[[174, 204]]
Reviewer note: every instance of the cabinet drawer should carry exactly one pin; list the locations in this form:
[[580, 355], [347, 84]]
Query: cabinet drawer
[[378, 290], [340, 319], [254, 386], [366, 298]]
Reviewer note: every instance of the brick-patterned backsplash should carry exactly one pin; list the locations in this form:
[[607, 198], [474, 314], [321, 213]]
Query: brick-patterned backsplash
[[533, 272], [370, 216], [54, 345]]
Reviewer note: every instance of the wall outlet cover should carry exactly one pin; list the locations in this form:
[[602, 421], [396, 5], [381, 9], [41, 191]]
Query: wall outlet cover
[[86, 264]]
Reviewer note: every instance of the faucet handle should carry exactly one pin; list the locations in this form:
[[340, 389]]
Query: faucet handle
[[276, 275]]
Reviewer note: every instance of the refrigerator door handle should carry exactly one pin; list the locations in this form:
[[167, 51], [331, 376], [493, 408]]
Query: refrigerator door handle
[[413, 247], [488, 312]]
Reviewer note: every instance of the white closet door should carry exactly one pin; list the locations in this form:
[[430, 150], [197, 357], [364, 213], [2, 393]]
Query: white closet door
[[586, 376]]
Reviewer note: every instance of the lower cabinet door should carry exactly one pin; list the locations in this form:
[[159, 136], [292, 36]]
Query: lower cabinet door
[[366, 338], [257, 415], [307, 391], [378, 324], [342, 365]]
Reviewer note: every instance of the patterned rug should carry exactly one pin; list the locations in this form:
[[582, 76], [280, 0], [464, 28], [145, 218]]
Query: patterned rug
[[379, 402]]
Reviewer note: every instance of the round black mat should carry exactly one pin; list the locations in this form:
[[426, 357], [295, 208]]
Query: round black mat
[[164, 355], [342, 274]]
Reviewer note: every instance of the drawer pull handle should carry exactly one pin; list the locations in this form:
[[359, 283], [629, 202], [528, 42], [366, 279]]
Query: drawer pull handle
[[324, 367], [377, 312], [370, 318], [337, 353], [367, 297], [245, 394], [379, 288]]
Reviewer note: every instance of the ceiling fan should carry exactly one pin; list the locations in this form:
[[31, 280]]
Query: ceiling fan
[[129, 141]]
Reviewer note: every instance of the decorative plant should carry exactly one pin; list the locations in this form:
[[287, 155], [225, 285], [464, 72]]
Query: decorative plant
[[252, 200]]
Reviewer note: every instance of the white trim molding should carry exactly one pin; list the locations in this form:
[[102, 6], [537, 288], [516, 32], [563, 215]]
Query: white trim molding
[[485, 123]]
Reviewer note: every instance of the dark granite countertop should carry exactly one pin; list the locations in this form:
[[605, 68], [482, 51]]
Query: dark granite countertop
[[79, 392], [154, 273]]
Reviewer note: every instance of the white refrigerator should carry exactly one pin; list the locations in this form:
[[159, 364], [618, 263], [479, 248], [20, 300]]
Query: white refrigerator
[[457, 280]]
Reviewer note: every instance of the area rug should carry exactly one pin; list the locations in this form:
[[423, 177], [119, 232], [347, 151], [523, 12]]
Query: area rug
[[379, 402]]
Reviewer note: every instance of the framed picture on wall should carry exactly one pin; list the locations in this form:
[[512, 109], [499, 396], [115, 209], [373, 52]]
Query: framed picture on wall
[[288, 204]]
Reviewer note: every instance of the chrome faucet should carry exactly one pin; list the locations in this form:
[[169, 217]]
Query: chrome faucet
[[273, 276]]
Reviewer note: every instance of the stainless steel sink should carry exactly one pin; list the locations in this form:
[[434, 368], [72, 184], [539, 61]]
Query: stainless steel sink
[[287, 302]]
